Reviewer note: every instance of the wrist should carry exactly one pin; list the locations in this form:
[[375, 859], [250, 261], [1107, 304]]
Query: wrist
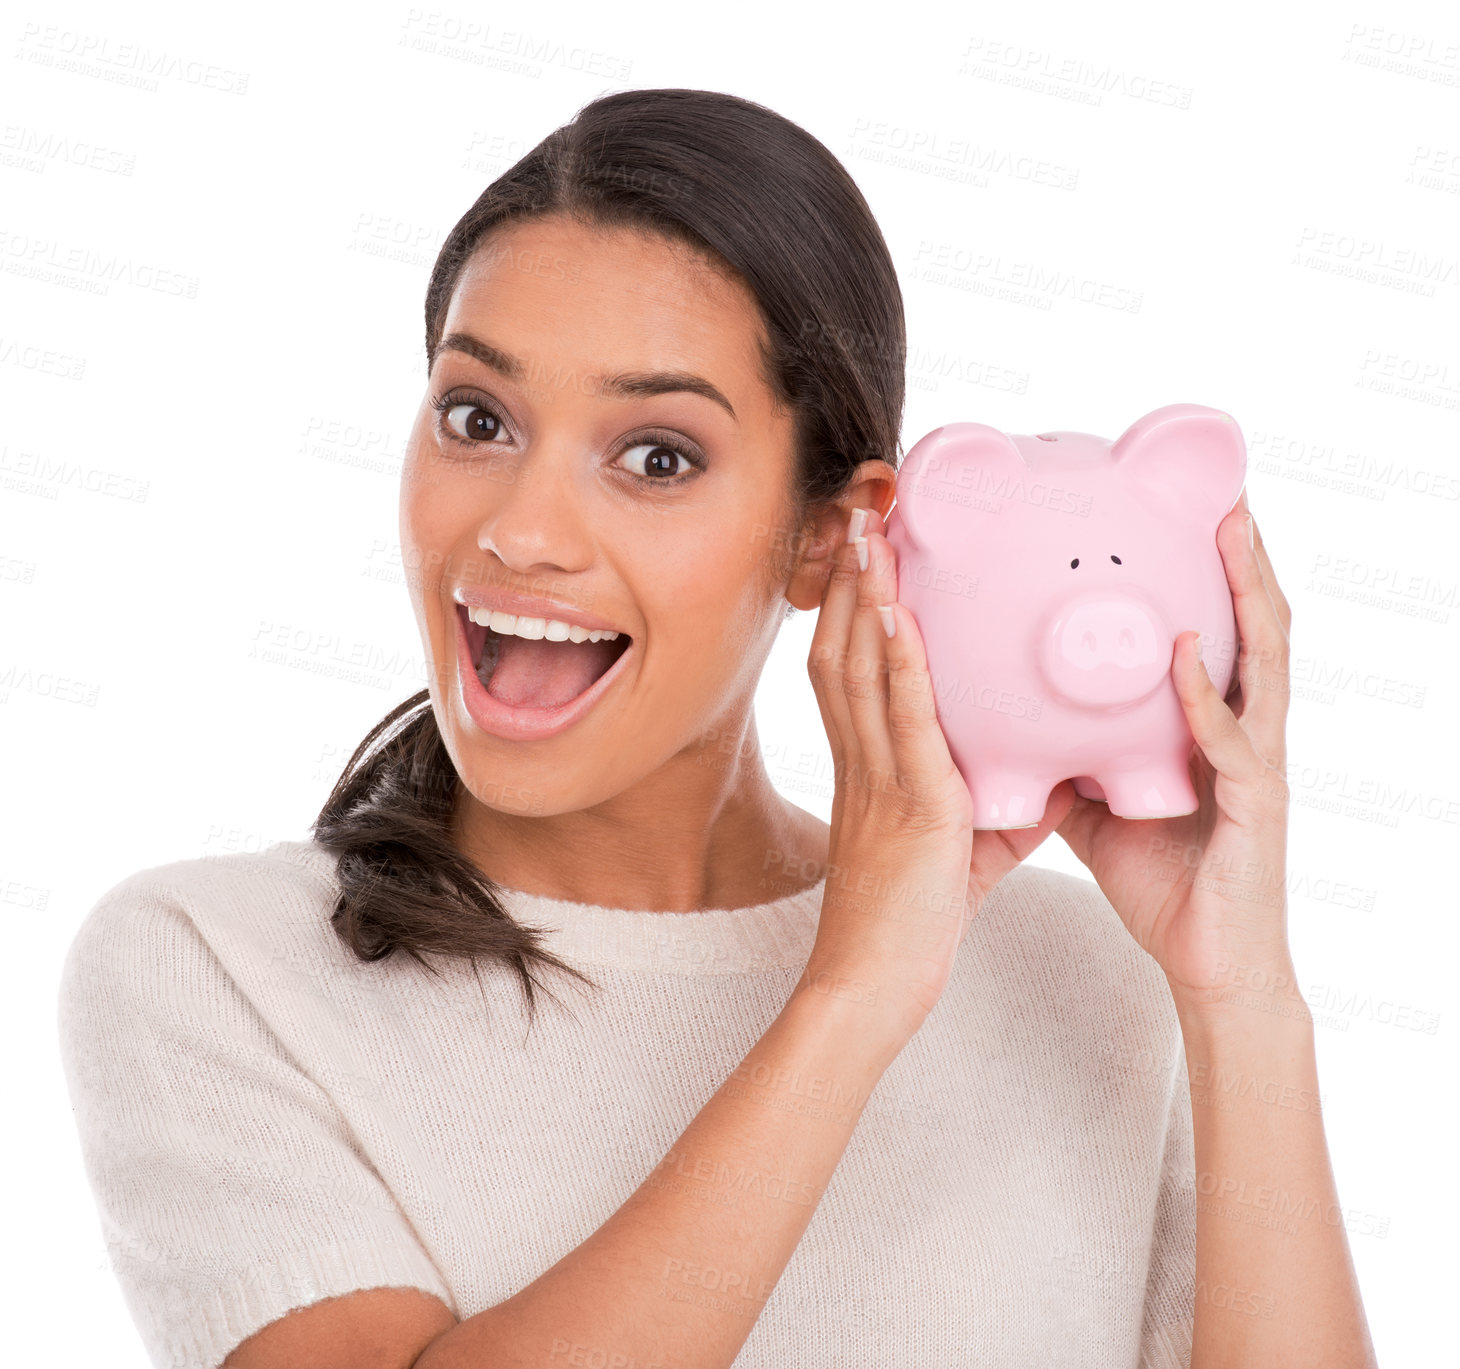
[[1258, 998], [856, 1007]]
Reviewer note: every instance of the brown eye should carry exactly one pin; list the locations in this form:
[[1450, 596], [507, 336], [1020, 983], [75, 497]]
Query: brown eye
[[662, 458], [477, 424], [658, 461]]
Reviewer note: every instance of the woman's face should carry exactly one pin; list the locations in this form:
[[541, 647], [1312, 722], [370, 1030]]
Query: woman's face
[[642, 503]]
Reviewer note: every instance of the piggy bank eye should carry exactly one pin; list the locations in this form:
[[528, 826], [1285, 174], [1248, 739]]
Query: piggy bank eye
[[1074, 563], [1115, 558]]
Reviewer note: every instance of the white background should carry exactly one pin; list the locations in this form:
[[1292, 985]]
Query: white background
[[203, 425]]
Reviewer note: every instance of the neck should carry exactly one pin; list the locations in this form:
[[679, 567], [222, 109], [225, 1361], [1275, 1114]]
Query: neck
[[705, 830]]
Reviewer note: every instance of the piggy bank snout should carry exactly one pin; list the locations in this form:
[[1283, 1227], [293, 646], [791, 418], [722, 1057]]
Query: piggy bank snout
[[1105, 649]]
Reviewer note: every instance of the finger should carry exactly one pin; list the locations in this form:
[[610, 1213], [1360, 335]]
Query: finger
[[826, 660], [866, 674], [1269, 576], [920, 750], [902, 730], [1262, 656], [1222, 738]]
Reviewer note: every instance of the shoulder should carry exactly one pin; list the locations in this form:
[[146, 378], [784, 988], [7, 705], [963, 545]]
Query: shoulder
[[268, 889], [1056, 942], [1056, 910], [1048, 908], [190, 921]]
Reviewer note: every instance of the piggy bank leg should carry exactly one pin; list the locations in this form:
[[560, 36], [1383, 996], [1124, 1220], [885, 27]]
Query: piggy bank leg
[[1157, 789], [1008, 798], [1087, 788]]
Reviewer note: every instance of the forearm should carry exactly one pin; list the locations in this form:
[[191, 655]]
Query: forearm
[[680, 1272], [1275, 1282]]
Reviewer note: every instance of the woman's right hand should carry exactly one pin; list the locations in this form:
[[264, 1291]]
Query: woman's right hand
[[907, 871]]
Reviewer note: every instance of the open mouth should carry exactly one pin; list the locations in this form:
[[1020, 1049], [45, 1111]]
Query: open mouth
[[524, 672]]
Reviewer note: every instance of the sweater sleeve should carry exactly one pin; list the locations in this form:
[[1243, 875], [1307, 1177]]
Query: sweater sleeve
[[229, 1186], [1170, 1305]]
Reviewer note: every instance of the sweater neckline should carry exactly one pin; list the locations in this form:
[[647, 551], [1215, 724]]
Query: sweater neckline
[[774, 935], [760, 936]]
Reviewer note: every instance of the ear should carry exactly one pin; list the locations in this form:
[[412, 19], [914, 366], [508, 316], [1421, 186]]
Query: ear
[[872, 487], [1187, 456], [943, 470]]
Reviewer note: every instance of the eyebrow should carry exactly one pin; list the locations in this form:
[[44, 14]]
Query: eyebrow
[[624, 385]]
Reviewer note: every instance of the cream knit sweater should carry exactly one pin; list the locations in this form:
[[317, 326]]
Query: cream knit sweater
[[266, 1121]]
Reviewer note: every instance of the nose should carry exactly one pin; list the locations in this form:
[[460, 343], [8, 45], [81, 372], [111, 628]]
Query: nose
[[1105, 649], [534, 522]]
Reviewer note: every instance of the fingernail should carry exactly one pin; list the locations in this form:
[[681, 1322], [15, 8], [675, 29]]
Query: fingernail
[[1251, 541], [889, 622], [856, 524], [861, 545], [1198, 646]]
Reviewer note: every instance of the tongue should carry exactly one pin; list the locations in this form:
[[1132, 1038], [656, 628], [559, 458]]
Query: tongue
[[538, 673]]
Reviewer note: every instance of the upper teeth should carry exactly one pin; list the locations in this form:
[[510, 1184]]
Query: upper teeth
[[554, 629]]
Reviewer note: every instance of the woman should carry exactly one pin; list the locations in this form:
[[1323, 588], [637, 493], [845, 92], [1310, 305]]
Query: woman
[[787, 1121]]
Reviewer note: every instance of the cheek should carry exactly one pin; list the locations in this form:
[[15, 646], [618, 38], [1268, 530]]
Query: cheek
[[422, 514], [707, 591], [435, 522], [422, 545], [418, 476]]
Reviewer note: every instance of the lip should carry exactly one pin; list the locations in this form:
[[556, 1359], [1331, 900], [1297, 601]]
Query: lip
[[524, 724], [504, 601]]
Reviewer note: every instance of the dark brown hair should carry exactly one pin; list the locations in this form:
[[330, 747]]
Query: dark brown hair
[[763, 200]]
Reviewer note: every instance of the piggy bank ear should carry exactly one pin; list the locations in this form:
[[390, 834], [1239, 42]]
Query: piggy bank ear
[[1187, 456], [950, 476]]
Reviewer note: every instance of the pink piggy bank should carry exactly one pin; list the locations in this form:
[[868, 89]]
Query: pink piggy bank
[[1050, 577]]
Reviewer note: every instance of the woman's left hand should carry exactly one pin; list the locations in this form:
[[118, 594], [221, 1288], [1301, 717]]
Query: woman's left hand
[[1206, 894]]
